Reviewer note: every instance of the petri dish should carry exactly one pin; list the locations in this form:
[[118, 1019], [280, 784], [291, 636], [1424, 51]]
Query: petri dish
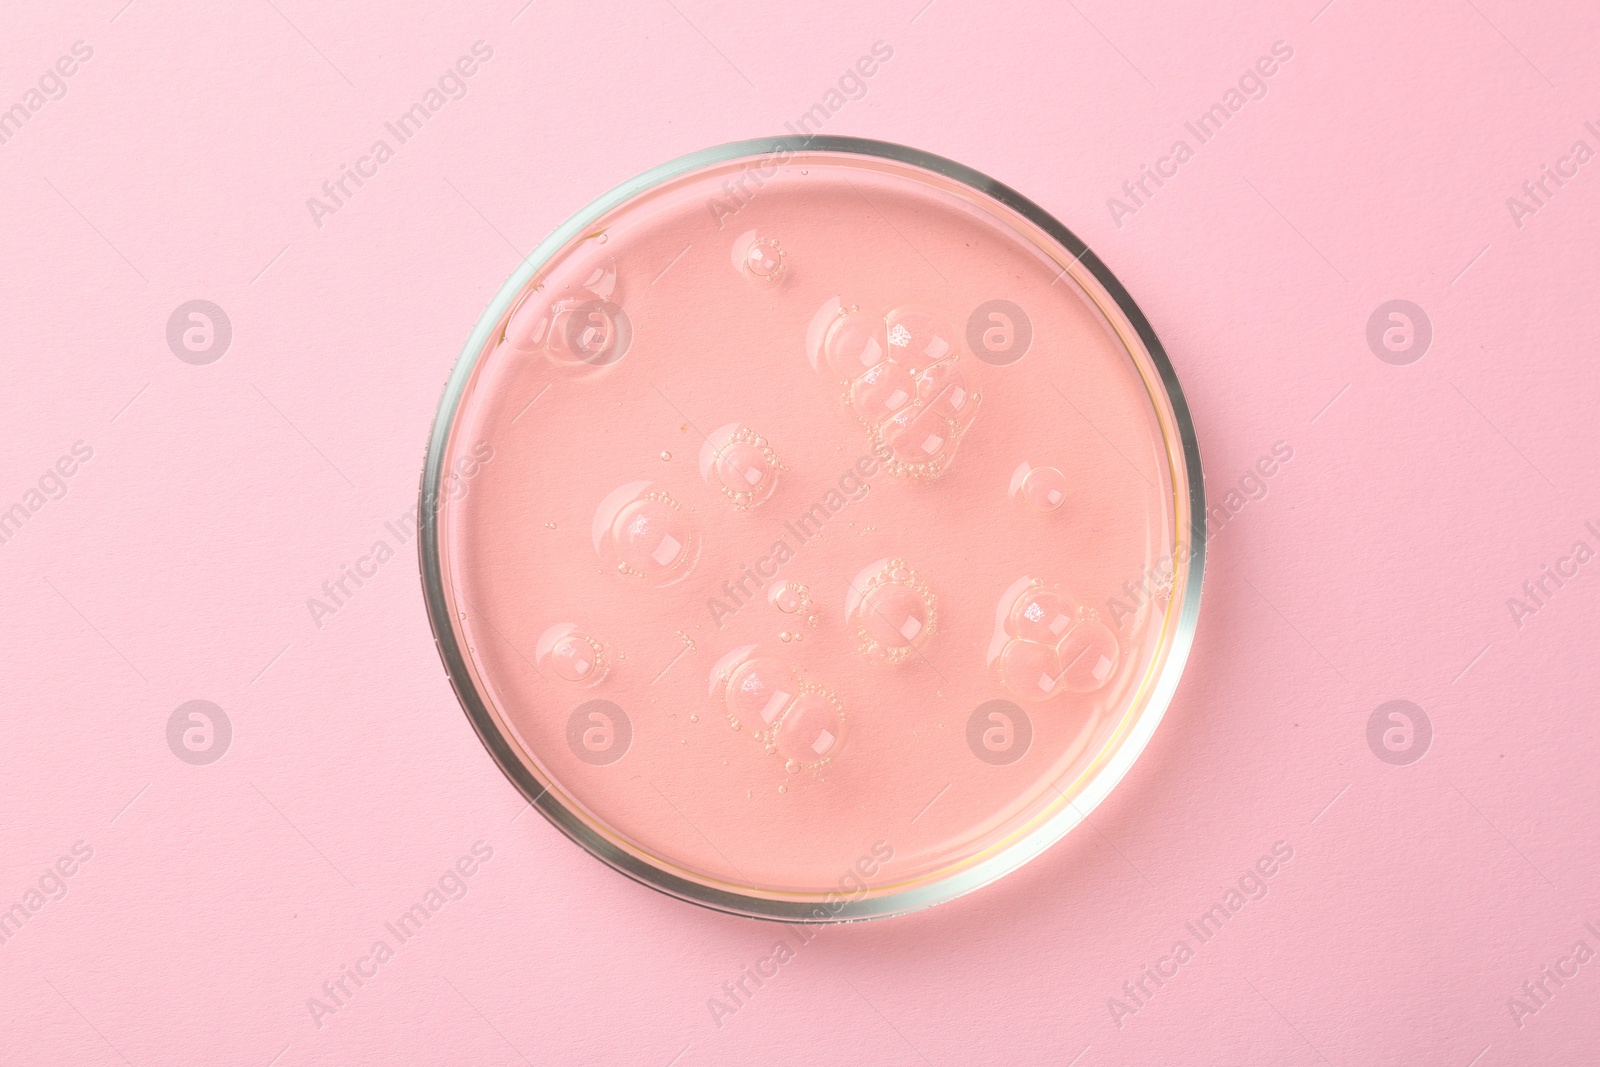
[[807, 529]]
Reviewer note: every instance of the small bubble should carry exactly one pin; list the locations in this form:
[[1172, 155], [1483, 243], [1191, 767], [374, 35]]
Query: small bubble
[[1043, 489], [549, 526], [791, 767], [666, 457], [783, 789], [694, 718], [764, 259], [740, 464], [790, 598], [648, 534], [893, 613], [784, 636], [602, 238], [572, 656]]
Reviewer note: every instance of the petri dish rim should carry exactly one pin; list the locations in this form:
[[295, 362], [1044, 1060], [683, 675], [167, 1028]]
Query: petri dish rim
[[1004, 856]]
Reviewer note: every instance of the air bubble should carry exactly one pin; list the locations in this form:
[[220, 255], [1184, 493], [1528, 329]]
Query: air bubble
[[740, 464], [855, 342], [813, 731], [761, 689], [1048, 644], [904, 383], [881, 392], [652, 537], [919, 438], [646, 532], [1031, 670], [587, 335], [1042, 615], [788, 597], [1043, 489], [892, 612], [917, 338], [577, 327], [803, 722], [764, 259], [666, 457], [1088, 656], [943, 389], [571, 655]]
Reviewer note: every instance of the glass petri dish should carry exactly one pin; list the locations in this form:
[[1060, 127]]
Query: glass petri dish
[[806, 529]]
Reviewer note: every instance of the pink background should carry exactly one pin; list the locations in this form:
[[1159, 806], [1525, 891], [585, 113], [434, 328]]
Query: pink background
[[218, 498]]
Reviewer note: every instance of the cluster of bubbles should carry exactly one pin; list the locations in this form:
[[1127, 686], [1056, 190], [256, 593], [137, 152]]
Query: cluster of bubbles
[[801, 722], [903, 379], [577, 330], [793, 598], [1046, 644], [645, 533]]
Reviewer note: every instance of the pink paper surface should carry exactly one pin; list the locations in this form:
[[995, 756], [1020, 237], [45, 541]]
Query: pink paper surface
[[1384, 158]]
